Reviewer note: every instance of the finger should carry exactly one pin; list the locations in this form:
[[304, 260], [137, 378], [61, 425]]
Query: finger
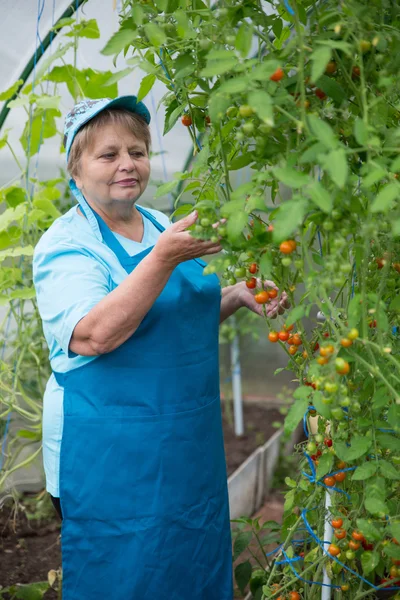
[[221, 222], [187, 221], [270, 284], [212, 250]]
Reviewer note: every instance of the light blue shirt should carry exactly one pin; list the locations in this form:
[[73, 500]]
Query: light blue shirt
[[72, 271]]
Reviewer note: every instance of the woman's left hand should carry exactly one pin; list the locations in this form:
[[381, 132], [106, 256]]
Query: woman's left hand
[[274, 307]]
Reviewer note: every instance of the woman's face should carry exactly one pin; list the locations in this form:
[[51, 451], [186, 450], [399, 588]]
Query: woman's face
[[116, 168]]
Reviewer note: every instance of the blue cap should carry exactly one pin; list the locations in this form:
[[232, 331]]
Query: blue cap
[[87, 109]]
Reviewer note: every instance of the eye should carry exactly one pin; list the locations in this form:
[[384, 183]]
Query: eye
[[137, 153], [108, 155]]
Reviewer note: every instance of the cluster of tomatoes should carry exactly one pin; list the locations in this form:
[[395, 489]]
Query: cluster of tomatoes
[[286, 335]]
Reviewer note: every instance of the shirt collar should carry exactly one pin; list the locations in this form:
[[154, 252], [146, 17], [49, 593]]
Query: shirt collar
[[86, 209]]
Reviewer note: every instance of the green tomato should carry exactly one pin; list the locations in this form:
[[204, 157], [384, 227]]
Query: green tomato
[[232, 111], [345, 268], [205, 44], [336, 214], [205, 222], [330, 387], [298, 263], [319, 438], [327, 400], [240, 136], [240, 272], [264, 128], [209, 269], [350, 555], [286, 261], [356, 407], [327, 225], [230, 40], [214, 239], [345, 402], [198, 228], [245, 110], [337, 413], [248, 128], [221, 230], [311, 448], [232, 281]]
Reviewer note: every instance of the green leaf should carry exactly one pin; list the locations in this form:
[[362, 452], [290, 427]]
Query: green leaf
[[234, 85], [320, 196], [393, 415], [23, 294], [241, 542], [266, 265], [12, 214], [323, 132], [244, 38], [33, 591], [115, 77], [261, 103], [370, 532], [137, 14], [392, 550], [165, 188], [364, 471], [155, 34], [320, 407], [320, 59], [312, 153], [296, 413], [376, 506], [336, 165], [87, 29], [294, 315], [385, 198], [218, 67], [182, 210], [325, 463], [217, 107], [288, 217], [359, 446], [291, 177], [388, 470], [13, 252], [9, 93], [369, 561], [395, 529], [119, 41], [332, 89], [46, 102], [172, 114], [360, 132], [387, 441], [239, 162], [289, 501], [145, 86], [236, 224], [373, 177], [243, 573]]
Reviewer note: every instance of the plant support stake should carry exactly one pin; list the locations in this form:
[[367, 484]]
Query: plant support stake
[[237, 386]]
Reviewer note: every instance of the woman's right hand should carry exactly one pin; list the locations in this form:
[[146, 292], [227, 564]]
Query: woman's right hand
[[175, 244]]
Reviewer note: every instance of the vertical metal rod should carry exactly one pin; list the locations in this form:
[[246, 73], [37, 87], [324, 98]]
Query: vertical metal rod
[[237, 387], [328, 532]]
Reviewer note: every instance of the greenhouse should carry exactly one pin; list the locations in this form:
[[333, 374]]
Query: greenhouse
[[200, 300]]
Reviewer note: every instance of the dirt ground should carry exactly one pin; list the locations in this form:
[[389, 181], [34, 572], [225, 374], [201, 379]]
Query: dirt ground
[[29, 549]]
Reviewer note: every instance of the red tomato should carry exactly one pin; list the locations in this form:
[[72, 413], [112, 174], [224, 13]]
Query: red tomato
[[354, 545], [340, 476], [287, 247], [340, 534], [283, 336], [273, 336], [334, 550], [328, 442], [358, 536], [329, 481], [251, 283], [253, 268], [278, 75], [337, 523], [320, 94], [272, 293], [355, 73], [262, 297], [297, 340], [186, 120], [294, 595]]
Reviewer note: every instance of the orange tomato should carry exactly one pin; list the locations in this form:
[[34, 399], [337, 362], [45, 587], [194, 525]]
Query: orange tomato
[[326, 350], [283, 336], [297, 340], [337, 523], [262, 297], [294, 595], [288, 247], [273, 336], [340, 534], [251, 283], [334, 550], [354, 545], [329, 481], [340, 476], [358, 536], [288, 327], [322, 360], [272, 293], [292, 350], [331, 67], [345, 342], [278, 75]]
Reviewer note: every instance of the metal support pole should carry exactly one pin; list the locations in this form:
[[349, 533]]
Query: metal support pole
[[328, 532], [237, 387]]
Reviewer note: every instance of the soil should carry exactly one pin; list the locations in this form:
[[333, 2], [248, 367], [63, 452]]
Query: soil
[[29, 549]]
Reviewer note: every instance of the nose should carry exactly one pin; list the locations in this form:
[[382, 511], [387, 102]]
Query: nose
[[127, 162]]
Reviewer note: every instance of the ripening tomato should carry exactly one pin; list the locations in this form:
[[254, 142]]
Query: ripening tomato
[[396, 267], [326, 350], [334, 550], [320, 94], [297, 340], [350, 555], [283, 336], [292, 350], [322, 360], [186, 120], [340, 534], [288, 247], [354, 545], [355, 73], [337, 523], [329, 481], [341, 464], [251, 283], [342, 366], [288, 327], [273, 336], [253, 268], [278, 75], [331, 67], [373, 324], [294, 595], [358, 536], [305, 354], [340, 476], [207, 120], [345, 342], [353, 334], [272, 293], [270, 227], [345, 587], [262, 297]]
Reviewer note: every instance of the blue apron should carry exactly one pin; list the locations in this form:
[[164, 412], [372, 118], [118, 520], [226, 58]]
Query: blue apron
[[143, 484]]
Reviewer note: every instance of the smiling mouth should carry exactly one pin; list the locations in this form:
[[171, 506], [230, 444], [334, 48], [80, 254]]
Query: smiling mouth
[[127, 182]]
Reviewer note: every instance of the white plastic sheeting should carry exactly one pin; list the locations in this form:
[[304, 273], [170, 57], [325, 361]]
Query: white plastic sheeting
[[18, 41]]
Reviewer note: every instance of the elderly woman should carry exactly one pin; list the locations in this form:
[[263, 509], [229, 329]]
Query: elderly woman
[[132, 437]]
